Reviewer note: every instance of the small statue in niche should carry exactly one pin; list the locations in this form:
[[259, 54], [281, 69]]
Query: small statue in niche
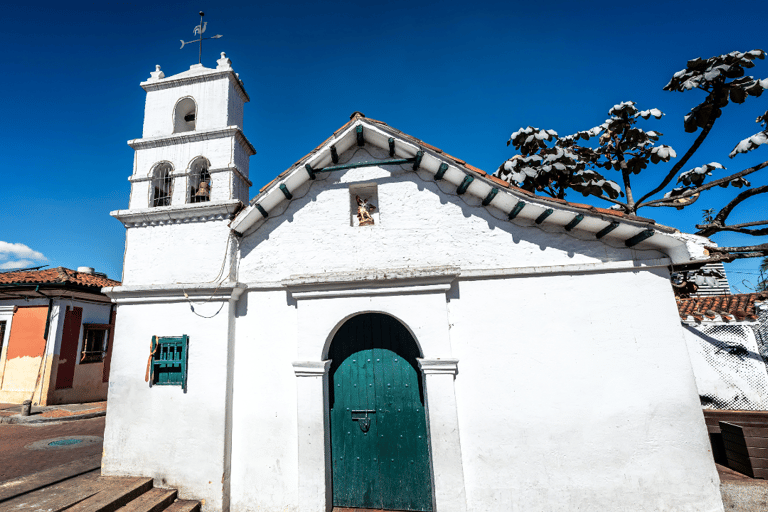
[[364, 209]]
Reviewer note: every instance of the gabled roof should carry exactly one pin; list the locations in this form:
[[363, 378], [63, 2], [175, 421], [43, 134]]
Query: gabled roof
[[520, 205], [59, 276], [726, 308]]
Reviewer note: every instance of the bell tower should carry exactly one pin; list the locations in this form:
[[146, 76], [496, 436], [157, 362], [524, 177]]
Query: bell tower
[[190, 172]]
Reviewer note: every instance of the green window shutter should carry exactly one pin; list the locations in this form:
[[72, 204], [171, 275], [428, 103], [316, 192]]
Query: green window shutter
[[169, 361]]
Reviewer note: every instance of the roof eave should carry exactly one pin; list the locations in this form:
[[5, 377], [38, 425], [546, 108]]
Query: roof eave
[[681, 248]]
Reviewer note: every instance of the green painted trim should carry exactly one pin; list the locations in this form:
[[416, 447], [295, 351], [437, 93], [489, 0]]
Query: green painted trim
[[607, 229], [310, 172], [417, 162], [334, 154], [286, 192], [643, 235], [343, 167], [465, 184], [169, 361], [360, 136], [490, 196], [441, 171], [574, 222], [547, 213], [516, 210], [391, 147], [262, 211]]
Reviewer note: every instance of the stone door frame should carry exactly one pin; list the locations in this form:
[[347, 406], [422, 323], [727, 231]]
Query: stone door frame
[[419, 302]]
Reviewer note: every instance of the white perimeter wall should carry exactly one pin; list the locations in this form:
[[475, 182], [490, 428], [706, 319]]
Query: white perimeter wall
[[573, 392], [161, 432], [576, 393]]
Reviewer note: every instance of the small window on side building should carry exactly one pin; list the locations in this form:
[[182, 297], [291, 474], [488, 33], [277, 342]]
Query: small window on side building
[[94, 343], [168, 361]]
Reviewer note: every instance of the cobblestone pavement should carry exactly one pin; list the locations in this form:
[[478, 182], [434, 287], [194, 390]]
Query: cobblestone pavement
[[54, 411], [16, 460]]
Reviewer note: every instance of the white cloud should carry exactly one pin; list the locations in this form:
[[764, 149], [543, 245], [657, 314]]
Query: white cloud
[[9, 251], [10, 265]]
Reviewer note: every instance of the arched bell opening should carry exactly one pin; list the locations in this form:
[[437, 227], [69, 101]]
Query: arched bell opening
[[199, 189], [185, 115], [379, 442], [161, 185]]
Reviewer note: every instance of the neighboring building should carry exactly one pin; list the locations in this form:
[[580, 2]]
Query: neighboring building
[[463, 346], [726, 338], [56, 329]]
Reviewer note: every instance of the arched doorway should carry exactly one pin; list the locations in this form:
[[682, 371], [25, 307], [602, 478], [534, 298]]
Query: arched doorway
[[379, 443]]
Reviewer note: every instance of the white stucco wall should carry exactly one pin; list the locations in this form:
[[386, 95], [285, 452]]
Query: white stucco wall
[[191, 252], [577, 392], [222, 153], [421, 223], [162, 432], [218, 105]]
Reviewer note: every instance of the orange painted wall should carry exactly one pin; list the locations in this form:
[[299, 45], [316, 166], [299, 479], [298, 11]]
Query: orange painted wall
[[27, 332]]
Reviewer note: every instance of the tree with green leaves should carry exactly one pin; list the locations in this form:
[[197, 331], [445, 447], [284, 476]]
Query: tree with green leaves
[[552, 165]]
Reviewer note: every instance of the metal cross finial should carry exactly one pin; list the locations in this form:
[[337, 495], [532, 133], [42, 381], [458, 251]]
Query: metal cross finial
[[198, 30]]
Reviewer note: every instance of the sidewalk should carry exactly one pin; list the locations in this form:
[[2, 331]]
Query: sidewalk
[[11, 413]]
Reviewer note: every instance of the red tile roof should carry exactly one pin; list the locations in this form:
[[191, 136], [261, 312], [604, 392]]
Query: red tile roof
[[738, 307], [59, 275]]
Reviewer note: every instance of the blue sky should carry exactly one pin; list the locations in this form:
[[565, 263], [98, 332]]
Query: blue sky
[[461, 76]]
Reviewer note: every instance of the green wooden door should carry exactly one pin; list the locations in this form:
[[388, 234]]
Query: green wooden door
[[379, 443]]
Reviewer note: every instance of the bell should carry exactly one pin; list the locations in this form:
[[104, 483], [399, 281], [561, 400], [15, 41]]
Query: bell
[[203, 190]]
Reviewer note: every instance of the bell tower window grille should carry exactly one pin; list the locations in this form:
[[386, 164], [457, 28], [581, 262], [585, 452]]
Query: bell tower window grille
[[162, 185], [199, 181]]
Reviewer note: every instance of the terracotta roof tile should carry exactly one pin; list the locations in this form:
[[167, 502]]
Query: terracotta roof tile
[[608, 211], [473, 168], [429, 146], [498, 181], [59, 275], [741, 306]]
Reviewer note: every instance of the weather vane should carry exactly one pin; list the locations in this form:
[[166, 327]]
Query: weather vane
[[198, 31]]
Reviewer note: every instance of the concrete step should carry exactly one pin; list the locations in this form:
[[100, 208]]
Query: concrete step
[[154, 500], [117, 492], [49, 477], [184, 506]]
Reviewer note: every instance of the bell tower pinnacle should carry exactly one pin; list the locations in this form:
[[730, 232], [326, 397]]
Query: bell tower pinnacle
[[191, 163]]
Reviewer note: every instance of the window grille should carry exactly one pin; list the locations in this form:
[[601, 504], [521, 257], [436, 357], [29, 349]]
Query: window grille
[[169, 361], [162, 185], [94, 343], [200, 182]]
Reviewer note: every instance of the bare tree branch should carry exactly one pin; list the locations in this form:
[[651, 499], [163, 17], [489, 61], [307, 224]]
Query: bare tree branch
[[679, 165], [614, 201], [718, 223], [689, 193], [726, 254]]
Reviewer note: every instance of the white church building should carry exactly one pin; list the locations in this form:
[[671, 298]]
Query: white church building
[[385, 326]]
